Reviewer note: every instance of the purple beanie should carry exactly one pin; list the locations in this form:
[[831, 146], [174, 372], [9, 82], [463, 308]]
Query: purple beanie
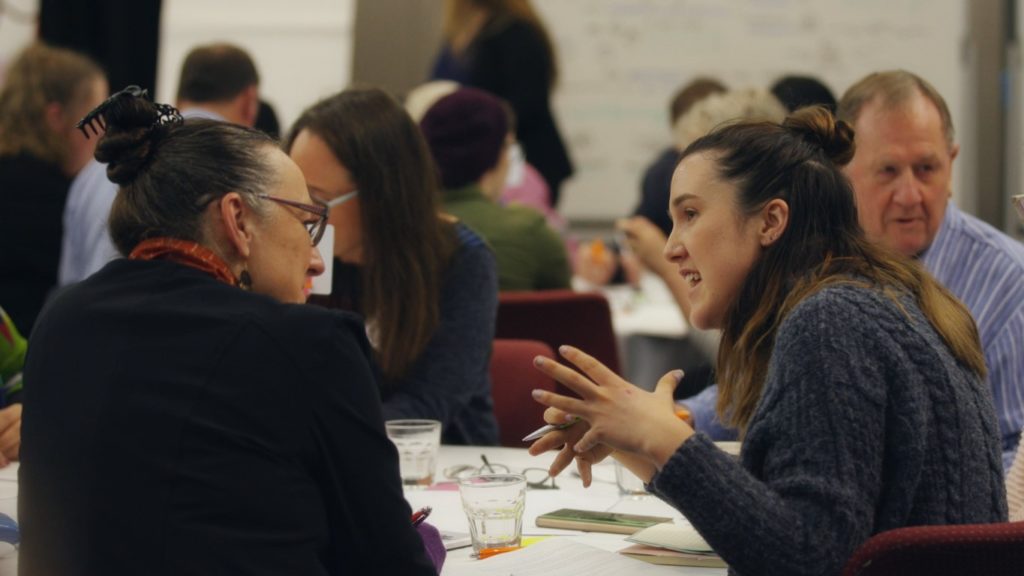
[[465, 131]]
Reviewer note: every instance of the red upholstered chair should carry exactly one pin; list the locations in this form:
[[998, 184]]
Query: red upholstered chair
[[512, 378], [556, 317], [942, 551]]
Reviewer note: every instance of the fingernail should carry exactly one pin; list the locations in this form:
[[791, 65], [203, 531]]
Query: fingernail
[[538, 361], [563, 349], [537, 393], [570, 418], [678, 374]]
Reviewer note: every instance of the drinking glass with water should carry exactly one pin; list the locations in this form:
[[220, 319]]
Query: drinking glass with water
[[418, 442], [494, 506]]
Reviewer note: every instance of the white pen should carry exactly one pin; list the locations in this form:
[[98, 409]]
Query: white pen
[[548, 428]]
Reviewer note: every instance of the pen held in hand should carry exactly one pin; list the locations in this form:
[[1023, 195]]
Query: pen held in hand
[[681, 412], [548, 428]]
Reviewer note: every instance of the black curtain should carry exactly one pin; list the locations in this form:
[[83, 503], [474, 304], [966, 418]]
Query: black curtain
[[122, 35]]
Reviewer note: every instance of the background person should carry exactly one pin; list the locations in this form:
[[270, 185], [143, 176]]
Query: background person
[[217, 82], [213, 426], [12, 360], [857, 380], [796, 91], [46, 91], [468, 136], [502, 46], [426, 285]]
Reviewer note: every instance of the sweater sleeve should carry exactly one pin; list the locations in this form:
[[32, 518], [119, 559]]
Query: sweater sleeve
[[453, 368], [805, 496]]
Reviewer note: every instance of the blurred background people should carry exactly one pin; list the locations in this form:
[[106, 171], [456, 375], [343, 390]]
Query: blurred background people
[[46, 91], [12, 360], [796, 91], [217, 82], [468, 133], [502, 46], [427, 285]]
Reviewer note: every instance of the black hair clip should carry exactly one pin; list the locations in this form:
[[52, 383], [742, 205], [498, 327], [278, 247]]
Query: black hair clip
[[166, 114]]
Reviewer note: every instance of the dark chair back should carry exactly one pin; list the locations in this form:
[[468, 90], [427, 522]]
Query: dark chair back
[[556, 317], [512, 378], [942, 551]]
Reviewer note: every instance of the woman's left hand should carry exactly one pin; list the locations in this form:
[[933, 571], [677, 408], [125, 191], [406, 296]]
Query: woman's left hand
[[619, 414]]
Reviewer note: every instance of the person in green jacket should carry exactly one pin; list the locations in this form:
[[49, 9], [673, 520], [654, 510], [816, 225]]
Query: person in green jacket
[[470, 133]]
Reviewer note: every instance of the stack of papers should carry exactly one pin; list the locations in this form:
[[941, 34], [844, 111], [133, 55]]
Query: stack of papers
[[558, 556], [674, 544]]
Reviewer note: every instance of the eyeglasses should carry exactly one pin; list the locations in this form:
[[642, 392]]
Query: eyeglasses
[[315, 228], [536, 478]]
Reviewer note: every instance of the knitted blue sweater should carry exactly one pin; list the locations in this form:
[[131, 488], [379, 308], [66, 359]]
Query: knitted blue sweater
[[866, 423]]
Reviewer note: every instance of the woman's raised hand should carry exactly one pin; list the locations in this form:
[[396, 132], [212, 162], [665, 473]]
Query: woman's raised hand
[[619, 414]]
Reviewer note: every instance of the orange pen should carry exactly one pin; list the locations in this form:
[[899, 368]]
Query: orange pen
[[488, 552]]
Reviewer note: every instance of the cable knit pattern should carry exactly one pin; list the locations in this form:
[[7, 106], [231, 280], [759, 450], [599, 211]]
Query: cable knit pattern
[[866, 423]]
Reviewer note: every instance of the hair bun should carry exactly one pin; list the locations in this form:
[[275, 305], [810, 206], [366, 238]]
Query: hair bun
[[132, 124], [818, 126]]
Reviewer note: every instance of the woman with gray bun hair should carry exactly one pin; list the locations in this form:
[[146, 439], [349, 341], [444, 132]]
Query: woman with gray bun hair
[[856, 380], [188, 414]]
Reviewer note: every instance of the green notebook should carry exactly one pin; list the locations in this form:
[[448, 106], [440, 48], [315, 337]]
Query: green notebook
[[595, 521]]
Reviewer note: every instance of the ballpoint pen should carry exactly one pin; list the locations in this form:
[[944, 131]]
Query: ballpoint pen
[[548, 428], [681, 413], [420, 515]]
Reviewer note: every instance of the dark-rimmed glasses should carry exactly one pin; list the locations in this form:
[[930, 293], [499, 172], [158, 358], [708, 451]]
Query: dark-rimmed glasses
[[316, 227]]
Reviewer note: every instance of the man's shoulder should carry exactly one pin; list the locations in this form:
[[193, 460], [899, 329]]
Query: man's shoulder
[[983, 240]]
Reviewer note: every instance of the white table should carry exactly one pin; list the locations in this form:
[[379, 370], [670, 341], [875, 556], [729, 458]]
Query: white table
[[602, 495], [9, 506]]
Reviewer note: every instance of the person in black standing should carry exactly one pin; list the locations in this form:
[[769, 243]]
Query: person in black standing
[[502, 46]]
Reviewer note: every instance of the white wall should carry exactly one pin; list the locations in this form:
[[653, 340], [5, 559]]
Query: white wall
[[302, 48], [621, 60], [15, 32]]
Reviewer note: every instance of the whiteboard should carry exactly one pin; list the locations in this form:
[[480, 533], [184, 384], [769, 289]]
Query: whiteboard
[[622, 60]]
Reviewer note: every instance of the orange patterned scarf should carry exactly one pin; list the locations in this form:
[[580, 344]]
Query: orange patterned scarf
[[187, 253]]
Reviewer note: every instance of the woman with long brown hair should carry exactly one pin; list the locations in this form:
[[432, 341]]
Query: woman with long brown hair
[[856, 379], [503, 47], [426, 285]]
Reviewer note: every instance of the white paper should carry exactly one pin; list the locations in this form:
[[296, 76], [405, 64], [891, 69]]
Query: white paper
[[562, 556], [678, 537]]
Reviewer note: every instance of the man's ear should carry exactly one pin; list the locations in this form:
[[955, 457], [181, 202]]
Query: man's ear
[[775, 218], [54, 114], [249, 105], [238, 223]]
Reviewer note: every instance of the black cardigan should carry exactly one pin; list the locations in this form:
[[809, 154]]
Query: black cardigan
[[178, 425], [32, 195]]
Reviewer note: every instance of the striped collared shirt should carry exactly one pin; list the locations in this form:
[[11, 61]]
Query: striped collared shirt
[[984, 268]]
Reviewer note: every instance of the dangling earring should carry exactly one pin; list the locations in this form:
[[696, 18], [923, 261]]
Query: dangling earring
[[245, 280]]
